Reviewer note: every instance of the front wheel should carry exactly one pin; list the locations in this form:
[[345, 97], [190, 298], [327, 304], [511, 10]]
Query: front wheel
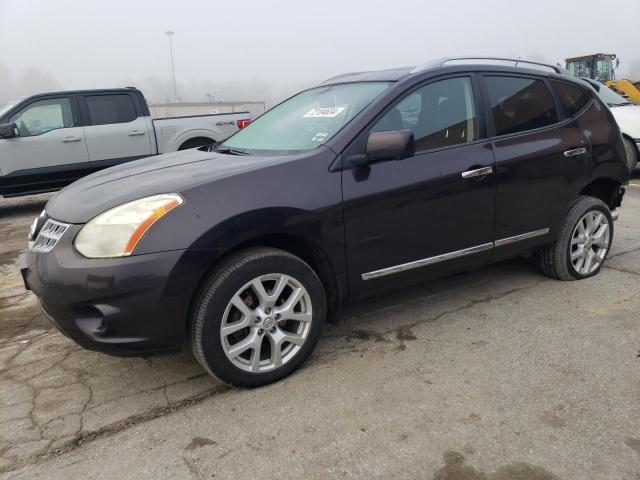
[[583, 243], [259, 316]]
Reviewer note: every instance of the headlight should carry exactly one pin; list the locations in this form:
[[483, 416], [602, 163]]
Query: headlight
[[116, 232]]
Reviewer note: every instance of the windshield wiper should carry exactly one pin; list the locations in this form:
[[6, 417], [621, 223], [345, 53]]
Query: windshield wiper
[[230, 151]]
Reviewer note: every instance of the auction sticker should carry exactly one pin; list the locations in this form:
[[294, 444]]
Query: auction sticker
[[324, 112]]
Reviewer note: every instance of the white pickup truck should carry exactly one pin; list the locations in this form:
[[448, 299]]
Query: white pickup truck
[[50, 140]]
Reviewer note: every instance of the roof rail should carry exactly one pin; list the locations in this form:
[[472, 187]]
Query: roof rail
[[442, 61]]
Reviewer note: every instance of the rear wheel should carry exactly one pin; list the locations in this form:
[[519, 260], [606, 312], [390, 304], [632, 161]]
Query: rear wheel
[[632, 154], [258, 317], [196, 142], [583, 243]]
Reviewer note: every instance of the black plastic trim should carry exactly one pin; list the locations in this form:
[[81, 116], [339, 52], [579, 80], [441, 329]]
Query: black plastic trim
[[50, 179]]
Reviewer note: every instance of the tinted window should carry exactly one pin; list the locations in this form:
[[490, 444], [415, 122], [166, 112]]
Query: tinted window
[[440, 114], [572, 97], [43, 116], [104, 109], [519, 104]]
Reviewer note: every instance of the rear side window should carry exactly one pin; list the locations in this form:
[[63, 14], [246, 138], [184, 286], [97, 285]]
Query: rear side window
[[572, 97], [105, 109], [519, 104]]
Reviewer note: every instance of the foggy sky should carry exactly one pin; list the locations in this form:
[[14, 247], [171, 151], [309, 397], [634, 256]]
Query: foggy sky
[[264, 50]]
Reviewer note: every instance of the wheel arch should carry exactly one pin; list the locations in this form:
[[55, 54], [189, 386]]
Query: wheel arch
[[196, 142], [191, 134], [606, 189], [297, 245]]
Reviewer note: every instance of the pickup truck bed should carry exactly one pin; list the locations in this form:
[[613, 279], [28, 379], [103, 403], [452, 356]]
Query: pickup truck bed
[[172, 133]]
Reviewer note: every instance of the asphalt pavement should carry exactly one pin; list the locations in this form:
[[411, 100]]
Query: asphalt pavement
[[495, 374]]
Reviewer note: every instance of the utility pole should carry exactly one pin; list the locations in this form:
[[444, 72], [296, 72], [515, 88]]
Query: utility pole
[[170, 33]]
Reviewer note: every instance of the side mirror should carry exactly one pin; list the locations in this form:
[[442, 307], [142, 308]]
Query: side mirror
[[389, 145], [8, 130]]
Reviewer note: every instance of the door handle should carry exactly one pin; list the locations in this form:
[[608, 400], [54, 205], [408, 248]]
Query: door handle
[[134, 133], [574, 152], [477, 172], [70, 139]]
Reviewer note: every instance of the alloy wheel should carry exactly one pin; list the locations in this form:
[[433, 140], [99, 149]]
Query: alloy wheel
[[266, 323], [590, 242]]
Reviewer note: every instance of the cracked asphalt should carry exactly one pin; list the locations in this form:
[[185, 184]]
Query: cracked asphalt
[[494, 374]]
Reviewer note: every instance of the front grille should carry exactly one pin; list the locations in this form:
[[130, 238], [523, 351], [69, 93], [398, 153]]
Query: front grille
[[48, 236]]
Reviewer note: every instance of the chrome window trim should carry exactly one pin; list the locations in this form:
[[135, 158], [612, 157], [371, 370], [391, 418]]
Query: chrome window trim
[[451, 255]]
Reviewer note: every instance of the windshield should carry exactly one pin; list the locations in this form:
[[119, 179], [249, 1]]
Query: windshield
[[306, 120], [611, 98]]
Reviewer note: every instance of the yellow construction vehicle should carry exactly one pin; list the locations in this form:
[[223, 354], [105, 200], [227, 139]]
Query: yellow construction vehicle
[[600, 67]]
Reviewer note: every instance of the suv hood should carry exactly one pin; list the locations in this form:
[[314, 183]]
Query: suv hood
[[169, 173], [628, 118]]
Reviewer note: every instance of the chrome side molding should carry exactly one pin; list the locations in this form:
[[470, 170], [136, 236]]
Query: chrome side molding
[[452, 255], [427, 261], [518, 238]]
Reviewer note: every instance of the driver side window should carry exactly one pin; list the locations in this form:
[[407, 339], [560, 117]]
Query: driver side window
[[43, 116], [440, 114]]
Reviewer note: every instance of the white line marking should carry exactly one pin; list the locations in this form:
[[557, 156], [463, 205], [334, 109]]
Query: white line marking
[[634, 184]]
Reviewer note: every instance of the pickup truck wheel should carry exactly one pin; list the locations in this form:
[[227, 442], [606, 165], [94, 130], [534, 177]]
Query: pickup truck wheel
[[196, 142], [259, 316], [632, 154], [583, 243]]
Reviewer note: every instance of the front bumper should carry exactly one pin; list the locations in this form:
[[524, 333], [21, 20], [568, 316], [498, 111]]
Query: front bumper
[[129, 306]]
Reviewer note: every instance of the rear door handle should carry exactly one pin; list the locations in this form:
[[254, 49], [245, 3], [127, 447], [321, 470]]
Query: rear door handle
[[70, 139], [134, 133], [477, 172], [574, 152]]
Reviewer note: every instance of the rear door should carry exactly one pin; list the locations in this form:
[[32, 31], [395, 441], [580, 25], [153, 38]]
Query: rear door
[[115, 128], [540, 157], [429, 214], [49, 150]]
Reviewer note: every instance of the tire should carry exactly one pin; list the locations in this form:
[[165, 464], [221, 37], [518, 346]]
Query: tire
[[632, 154], [196, 142], [264, 318], [556, 260]]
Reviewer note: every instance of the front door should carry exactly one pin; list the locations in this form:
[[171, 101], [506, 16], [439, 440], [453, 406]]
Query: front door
[[49, 150], [426, 215]]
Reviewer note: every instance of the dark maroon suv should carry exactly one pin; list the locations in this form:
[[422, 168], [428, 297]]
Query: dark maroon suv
[[365, 183]]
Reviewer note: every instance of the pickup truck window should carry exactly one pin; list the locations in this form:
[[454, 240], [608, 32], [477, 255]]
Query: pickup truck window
[[43, 116], [106, 109], [306, 120]]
